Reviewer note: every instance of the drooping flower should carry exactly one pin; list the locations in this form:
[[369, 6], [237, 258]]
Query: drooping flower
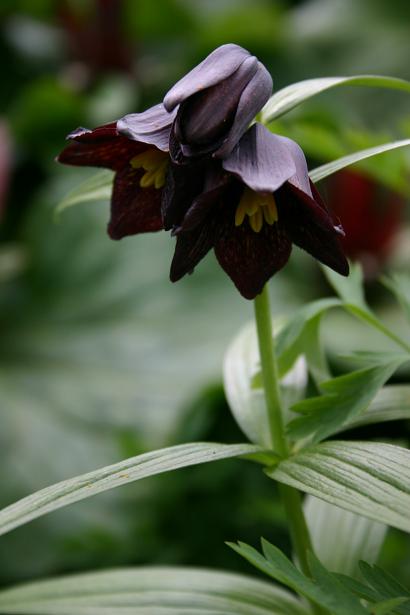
[[252, 206], [216, 102], [140, 162]]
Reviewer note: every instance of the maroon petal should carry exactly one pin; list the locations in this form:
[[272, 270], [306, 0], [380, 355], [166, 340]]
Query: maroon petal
[[216, 189], [101, 147], [152, 126], [133, 209], [251, 259], [216, 67], [310, 227], [191, 248], [182, 185], [252, 99], [261, 160]]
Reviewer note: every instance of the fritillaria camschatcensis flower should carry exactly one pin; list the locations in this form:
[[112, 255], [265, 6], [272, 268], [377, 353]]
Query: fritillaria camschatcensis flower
[[194, 167]]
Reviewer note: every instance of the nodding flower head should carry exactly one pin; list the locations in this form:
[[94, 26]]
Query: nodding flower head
[[216, 102]]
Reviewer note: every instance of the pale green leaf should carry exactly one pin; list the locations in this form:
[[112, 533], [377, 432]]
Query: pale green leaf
[[289, 97], [392, 403], [98, 187], [343, 399], [151, 591], [329, 168], [357, 537], [132, 469], [368, 478], [399, 284]]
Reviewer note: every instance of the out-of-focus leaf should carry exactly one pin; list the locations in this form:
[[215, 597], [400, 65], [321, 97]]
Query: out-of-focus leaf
[[289, 97], [357, 537], [323, 589], [399, 284], [243, 385], [343, 399], [336, 165], [151, 591], [368, 478], [85, 486], [97, 188]]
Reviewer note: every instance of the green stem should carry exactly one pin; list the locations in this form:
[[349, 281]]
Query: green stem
[[270, 376]]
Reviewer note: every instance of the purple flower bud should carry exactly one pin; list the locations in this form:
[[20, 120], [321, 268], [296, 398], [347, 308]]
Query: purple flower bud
[[217, 101]]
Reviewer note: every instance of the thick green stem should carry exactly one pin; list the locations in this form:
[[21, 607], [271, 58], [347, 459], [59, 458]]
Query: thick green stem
[[290, 496]]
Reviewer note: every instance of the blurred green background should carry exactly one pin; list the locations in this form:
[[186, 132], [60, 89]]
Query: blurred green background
[[100, 356]]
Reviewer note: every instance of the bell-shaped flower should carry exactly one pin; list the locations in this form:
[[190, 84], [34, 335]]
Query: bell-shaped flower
[[136, 148], [216, 102], [252, 207]]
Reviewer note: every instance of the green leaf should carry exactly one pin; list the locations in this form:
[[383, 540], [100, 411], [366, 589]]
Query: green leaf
[[132, 469], [323, 589], [389, 606], [243, 385], [329, 168], [151, 591], [368, 478], [391, 403], [399, 284], [300, 335], [98, 187], [289, 97], [357, 537], [343, 399], [350, 290]]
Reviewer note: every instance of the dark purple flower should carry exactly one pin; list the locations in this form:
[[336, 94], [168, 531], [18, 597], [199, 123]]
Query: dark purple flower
[[251, 207], [136, 148], [217, 101]]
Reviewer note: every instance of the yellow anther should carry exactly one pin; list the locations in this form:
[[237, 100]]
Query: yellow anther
[[258, 207], [155, 164]]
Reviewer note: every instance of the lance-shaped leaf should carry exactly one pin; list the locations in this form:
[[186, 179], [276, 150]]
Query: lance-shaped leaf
[[289, 97], [132, 469], [368, 478], [399, 284], [329, 168], [343, 399], [151, 591]]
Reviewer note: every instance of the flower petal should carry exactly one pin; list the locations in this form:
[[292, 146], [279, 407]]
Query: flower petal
[[219, 65], [261, 160], [310, 227], [205, 118], [253, 98], [101, 147], [191, 248], [216, 188], [182, 185], [133, 209], [301, 178], [152, 126], [251, 259]]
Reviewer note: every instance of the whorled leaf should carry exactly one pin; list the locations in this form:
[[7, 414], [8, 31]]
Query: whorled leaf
[[151, 591], [368, 478], [98, 187], [289, 97], [135, 468]]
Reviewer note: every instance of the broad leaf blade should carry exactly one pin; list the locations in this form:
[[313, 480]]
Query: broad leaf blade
[[357, 537], [86, 485], [368, 478], [151, 591], [289, 97], [98, 187], [329, 168]]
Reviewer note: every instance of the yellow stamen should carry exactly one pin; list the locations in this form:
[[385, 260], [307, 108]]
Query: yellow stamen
[[258, 207], [155, 164]]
